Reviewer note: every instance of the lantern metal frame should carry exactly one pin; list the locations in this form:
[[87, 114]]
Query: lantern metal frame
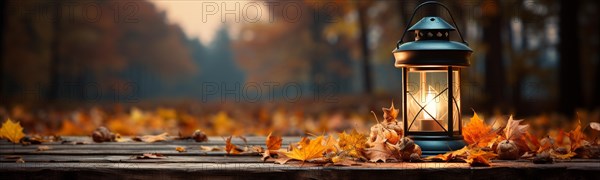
[[433, 53]]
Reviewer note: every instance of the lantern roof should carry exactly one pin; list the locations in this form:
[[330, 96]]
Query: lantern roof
[[432, 46], [432, 23]]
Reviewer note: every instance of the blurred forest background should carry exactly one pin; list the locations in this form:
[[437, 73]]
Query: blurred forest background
[[64, 61]]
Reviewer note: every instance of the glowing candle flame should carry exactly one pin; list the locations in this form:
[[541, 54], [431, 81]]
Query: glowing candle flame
[[431, 106]]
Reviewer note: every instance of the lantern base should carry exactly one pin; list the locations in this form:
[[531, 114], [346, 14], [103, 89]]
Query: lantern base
[[434, 145]]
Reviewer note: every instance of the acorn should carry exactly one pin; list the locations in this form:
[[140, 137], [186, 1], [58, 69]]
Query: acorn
[[542, 158], [102, 134], [507, 150], [199, 136]]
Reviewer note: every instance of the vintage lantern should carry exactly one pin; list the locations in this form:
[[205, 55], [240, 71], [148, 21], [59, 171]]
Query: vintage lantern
[[431, 83]]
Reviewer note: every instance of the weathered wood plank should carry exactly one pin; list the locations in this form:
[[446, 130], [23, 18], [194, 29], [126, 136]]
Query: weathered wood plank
[[132, 159], [251, 140], [505, 170], [82, 152], [117, 160]]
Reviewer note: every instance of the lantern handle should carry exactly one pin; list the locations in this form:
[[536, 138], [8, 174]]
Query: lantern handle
[[415, 12]]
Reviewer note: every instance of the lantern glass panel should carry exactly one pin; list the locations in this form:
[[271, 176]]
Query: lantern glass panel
[[427, 100]]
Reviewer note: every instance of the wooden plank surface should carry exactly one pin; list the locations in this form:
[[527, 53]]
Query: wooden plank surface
[[117, 160]]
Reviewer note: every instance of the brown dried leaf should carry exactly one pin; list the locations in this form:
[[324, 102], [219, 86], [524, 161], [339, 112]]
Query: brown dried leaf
[[210, 148], [152, 138], [282, 160], [595, 126], [380, 151], [151, 156], [256, 149], [43, 148], [513, 130]]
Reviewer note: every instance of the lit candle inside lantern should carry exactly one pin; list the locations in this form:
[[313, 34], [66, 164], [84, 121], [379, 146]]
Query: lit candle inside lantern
[[431, 105], [428, 123]]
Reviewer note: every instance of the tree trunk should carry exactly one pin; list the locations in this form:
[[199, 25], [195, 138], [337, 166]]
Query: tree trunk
[[596, 93], [3, 100], [366, 54], [54, 88], [495, 79], [570, 92]]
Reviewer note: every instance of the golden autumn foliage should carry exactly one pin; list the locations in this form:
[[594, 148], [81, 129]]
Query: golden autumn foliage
[[354, 143], [477, 133], [11, 131], [308, 149]]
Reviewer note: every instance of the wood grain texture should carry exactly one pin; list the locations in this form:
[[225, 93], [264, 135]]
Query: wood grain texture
[[118, 160]]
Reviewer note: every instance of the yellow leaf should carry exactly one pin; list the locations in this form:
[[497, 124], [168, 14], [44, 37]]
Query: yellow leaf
[[273, 142], [477, 133], [353, 143], [180, 149], [12, 131], [310, 149], [557, 155]]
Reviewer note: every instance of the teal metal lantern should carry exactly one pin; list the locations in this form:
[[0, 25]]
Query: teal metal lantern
[[431, 67]]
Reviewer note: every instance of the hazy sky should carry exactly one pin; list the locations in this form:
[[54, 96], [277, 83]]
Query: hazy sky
[[202, 18]]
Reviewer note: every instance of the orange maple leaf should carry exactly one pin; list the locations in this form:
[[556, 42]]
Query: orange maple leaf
[[479, 158], [477, 133], [273, 142], [310, 149], [577, 137], [12, 131], [231, 148], [450, 155], [390, 114]]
